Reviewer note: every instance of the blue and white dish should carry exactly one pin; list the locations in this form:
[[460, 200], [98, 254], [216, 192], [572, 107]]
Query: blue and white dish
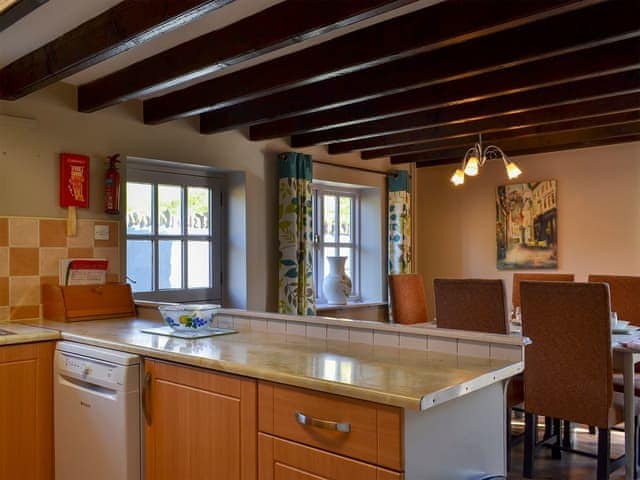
[[188, 317]]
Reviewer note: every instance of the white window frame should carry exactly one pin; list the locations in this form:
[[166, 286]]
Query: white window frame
[[319, 190], [161, 174]]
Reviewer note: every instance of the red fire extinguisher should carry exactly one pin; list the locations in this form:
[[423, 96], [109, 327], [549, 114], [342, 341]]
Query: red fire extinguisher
[[112, 186]]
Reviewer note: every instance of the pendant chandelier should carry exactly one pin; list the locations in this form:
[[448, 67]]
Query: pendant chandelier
[[475, 158]]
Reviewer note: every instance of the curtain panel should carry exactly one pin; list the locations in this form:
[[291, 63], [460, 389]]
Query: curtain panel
[[296, 293], [399, 222]]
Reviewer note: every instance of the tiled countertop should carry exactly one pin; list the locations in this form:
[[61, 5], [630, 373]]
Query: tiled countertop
[[25, 334], [401, 377]]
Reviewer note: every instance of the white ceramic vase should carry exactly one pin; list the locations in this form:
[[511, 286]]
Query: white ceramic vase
[[337, 285]]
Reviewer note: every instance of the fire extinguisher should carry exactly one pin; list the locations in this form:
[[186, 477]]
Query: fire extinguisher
[[112, 186]]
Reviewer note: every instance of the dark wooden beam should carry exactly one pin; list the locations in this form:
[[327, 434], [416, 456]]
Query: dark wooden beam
[[515, 146], [248, 38], [575, 30], [17, 11], [572, 111], [517, 132], [578, 90], [434, 27], [120, 28], [556, 148], [533, 74]]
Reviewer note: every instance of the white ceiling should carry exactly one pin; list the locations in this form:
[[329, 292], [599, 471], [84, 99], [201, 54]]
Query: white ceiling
[[59, 16]]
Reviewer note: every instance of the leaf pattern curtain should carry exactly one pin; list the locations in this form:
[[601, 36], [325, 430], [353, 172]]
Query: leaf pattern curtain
[[296, 294], [399, 222]]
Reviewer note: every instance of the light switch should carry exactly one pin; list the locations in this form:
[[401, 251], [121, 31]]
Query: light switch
[[101, 232]]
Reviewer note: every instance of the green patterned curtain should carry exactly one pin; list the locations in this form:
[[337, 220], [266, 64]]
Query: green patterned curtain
[[296, 294], [399, 226]]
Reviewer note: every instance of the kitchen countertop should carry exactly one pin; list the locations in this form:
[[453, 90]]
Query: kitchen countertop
[[25, 334], [400, 377]]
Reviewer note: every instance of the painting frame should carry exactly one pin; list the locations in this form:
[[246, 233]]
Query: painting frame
[[527, 225]]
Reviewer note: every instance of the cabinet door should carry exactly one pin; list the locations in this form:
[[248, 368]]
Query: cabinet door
[[285, 460], [200, 425], [26, 411]]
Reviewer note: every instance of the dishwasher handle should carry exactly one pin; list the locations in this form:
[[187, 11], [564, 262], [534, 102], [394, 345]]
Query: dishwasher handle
[[146, 387]]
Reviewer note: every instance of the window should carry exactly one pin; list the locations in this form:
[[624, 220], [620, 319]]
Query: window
[[172, 226], [336, 233]]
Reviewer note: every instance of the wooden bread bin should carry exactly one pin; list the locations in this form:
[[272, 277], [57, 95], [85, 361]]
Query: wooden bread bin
[[87, 302]]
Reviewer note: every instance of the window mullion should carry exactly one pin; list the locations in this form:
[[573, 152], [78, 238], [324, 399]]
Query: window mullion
[[155, 286], [185, 252]]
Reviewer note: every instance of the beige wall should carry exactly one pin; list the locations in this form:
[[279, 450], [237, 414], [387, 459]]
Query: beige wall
[[598, 215], [29, 153]]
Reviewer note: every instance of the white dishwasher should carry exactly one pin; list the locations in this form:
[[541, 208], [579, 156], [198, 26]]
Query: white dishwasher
[[97, 413]]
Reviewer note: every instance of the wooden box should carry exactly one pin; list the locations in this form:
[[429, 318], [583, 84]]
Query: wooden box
[[87, 302]]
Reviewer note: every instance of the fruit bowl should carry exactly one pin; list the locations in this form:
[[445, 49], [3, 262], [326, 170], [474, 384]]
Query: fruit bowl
[[188, 317]]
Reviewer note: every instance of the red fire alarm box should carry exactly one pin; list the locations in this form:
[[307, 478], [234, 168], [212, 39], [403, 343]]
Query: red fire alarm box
[[74, 180]]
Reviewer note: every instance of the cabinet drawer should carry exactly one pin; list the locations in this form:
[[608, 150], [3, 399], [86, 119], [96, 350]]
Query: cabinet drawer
[[354, 428], [285, 460]]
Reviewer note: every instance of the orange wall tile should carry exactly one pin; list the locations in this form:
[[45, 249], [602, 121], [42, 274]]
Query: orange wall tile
[[30, 250], [23, 261]]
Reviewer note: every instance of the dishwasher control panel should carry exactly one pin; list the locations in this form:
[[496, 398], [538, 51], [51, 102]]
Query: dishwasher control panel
[[95, 372]]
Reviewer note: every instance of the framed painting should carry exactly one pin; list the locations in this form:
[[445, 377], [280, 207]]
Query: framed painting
[[527, 226]]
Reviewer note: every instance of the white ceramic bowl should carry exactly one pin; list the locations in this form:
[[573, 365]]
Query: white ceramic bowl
[[188, 317]]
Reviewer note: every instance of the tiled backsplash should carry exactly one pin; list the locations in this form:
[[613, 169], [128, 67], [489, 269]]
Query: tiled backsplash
[[30, 250]]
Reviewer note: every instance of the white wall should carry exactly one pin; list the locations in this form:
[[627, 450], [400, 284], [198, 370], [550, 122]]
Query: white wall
[[598, 215], [29, 153]]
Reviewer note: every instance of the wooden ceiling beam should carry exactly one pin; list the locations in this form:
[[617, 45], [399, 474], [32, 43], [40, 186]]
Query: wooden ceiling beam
[[17, 11], [433, 27], [241, 41], [120, 28], [572, 111], [525, 76], [587, 141], [578, 90], [515, 146], [416, 83], [516, 132]]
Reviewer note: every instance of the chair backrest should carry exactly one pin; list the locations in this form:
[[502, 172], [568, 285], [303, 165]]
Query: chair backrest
[[625, 295], [471, 304], [568, 371], [538, 277], [408, 300]]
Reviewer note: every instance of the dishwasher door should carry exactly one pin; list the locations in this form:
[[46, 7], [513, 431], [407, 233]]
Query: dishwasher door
[[97, 414]]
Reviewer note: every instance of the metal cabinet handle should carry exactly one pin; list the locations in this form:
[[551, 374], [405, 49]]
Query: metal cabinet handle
[[145, 392], [302, 419]]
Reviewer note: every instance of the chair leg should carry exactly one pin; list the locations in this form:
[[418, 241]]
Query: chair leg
[[604, 447], [566, 438], [548, 428], [556, 453], [509, 433], [530, 425]]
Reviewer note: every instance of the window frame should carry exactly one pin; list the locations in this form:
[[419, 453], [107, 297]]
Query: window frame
[[319, 191], [159, 173]]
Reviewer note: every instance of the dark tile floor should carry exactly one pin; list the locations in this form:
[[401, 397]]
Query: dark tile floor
[[571, 466]]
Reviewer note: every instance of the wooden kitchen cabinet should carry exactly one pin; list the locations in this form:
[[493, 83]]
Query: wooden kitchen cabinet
[[26, 411], [286, 460], [200, 425]]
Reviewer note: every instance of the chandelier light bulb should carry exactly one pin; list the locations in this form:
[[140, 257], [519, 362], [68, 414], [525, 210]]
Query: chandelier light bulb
[[458, 177], [513, 171], [472, 167]]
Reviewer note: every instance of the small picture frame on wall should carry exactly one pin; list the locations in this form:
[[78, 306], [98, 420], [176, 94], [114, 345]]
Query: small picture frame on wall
[[527, 226]]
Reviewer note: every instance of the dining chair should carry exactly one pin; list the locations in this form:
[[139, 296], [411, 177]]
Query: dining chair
[[471, 304], [479, 305], [537, 277], [625, 295], [568, 371], [408, 300]]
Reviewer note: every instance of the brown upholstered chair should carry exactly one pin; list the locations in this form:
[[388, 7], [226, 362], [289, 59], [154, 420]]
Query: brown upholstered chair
[[569, 363], [625, 301], [537, 277], [408, 301], [625, 295], [471, 304]]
